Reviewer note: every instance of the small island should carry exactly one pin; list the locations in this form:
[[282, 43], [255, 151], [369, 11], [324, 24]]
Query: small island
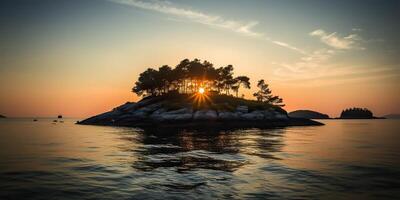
[[308, 114], [195, 94], [357, 113], [2, 116]]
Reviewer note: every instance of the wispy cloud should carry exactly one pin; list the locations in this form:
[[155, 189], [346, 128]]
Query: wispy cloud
[[357, 29], [283, 44], [237, 26], [195, 16], [307, 66], [334, 40]]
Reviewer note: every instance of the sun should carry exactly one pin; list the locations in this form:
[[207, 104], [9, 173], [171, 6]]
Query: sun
[[201, 90]]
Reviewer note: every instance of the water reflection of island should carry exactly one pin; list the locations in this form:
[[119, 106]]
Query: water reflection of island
[[225, 150]]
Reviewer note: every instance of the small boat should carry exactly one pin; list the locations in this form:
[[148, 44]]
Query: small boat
[[59, 116], [35, 120], [55, 120]]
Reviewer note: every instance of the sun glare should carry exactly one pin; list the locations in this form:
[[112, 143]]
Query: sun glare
[[201, 90]]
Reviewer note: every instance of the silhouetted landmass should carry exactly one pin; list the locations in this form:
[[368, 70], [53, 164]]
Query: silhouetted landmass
[[308, 114], [357, 113], [2, 116], [188, 111], [196, 94], [392, 116]]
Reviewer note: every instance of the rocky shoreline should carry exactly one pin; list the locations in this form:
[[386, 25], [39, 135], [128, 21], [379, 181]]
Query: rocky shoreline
[[147, 113]]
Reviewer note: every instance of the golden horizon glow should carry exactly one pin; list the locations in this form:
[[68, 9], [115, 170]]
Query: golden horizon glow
[[84, 67]]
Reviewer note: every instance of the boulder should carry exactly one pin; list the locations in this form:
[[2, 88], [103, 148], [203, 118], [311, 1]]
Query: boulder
[[181, 111], [228, 116], [175, 115], [255, 115], [268, 114], [242, 109], [205, 115], [139, 114], [280, 116]]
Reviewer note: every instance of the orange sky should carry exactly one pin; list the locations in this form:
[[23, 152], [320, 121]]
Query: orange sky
[[84, 59]]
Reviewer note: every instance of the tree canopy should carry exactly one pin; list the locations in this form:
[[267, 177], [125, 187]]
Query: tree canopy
[[187, 77], [357, 113], [190, 75]]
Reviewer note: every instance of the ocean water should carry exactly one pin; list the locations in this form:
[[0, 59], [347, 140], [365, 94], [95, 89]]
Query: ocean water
[[345, 159]]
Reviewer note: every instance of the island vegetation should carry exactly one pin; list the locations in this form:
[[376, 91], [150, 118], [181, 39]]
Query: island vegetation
[[190, 77], [193, 92], [356, 113]]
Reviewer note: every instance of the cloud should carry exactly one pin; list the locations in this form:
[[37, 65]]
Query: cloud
[[307, 66], [196, 16], [357, 29], [283, 44], [240, 27], [334, 40]]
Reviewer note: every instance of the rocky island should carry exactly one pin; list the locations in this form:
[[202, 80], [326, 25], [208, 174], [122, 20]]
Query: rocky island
[[195, 94], [357, 113]]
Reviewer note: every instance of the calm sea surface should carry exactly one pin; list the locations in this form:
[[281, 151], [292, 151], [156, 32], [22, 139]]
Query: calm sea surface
[[353, 159]]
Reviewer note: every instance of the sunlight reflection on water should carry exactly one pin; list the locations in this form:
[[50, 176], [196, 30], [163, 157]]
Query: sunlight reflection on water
[[343, 159]]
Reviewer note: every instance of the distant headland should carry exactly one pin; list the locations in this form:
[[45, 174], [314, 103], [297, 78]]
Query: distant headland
[[195, 94], [308, 114], [392, 116], [2, 116]]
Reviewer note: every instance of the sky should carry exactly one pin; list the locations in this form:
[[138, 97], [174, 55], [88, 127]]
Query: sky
[[80, 58]]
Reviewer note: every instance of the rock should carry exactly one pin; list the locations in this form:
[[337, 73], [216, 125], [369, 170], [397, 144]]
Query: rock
[[205, 115], [268, 114], [139, 114], [175, 115], [255, 115], [149, 108], [242, 109], [181, 111], [281, 116], [228, 116], [159, 111], [148, 113], [128, 106]]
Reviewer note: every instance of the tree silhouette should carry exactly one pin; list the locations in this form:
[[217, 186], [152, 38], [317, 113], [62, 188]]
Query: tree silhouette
[[187, 77], [241, 80], [356, 113], [264, 94]]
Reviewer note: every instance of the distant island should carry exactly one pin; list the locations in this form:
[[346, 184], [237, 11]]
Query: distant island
[[308, 114], [2, 116], [357, 113], [392, 116], [195, 94]]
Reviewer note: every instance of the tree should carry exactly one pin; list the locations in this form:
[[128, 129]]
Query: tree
[[187, 77], [241, 80], [147, 83], [165, 78], [265, 94], [225, 78]]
